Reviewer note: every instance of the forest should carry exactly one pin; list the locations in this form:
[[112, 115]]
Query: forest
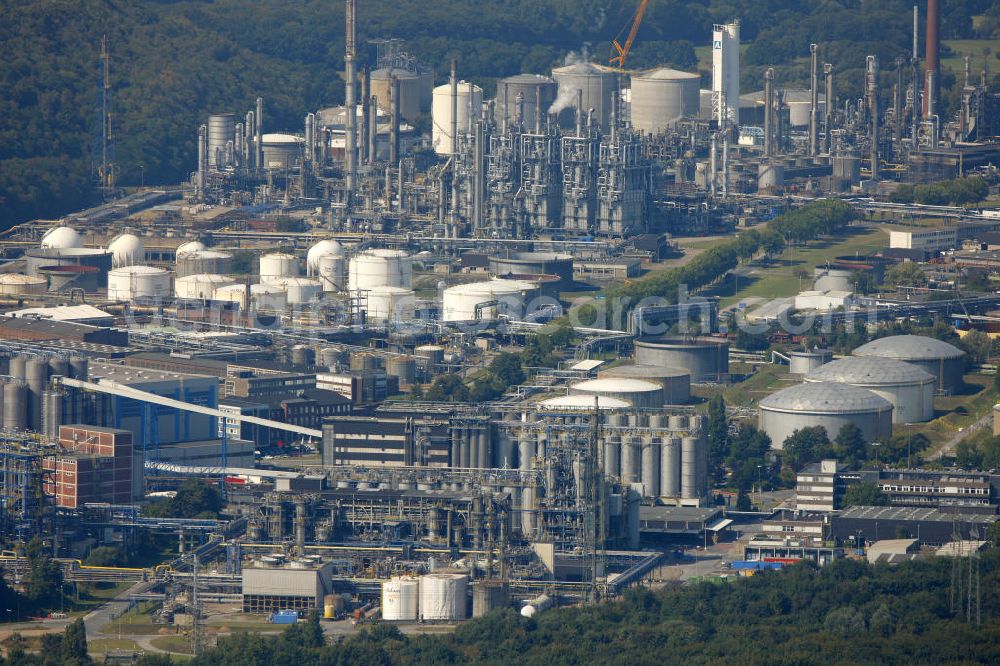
[[849, 612], [174, 62]]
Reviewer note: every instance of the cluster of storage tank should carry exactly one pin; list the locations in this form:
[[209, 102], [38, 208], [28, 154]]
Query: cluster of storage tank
[[383, 280], [439, 596], [886, 381], [29, 400]]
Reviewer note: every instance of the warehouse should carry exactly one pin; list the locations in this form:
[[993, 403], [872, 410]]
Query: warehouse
[[929, 526], [271, 584]]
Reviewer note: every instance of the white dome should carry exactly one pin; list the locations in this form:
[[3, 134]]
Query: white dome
[[322, 248], [61, 238], [126, 250], [190, 246]]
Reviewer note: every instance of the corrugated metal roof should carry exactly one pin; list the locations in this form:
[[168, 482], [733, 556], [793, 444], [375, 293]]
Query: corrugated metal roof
[[910, 348], [870, 371], [825, 398]]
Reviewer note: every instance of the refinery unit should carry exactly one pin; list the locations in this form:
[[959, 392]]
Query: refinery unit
[[305, 276]]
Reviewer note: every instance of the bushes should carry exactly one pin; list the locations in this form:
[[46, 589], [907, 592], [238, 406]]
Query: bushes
[[958, 192]]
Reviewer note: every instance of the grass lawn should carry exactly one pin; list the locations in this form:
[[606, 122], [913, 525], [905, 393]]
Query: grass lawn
[[767, 380], [974, 49], [92, 596], [101, 646], [179, 644], [779, 279], [955, 412]]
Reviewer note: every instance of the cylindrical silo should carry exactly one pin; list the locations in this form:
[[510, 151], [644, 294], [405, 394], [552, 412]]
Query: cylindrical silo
[[404, 367], [277, 265], [131, 283], [201, 286], [79, 367], [400, 598], [58, 366], [470, 100], [488, 596], [415, 88], [804, 362], [15, 405], [670, 467], [221, 130], [386, 303], [689, 468], [380, 268], [299, 290], [17, 366], [36, 374], [651, 467], [211, 262], [630, 460], [662, 97], [51, 413], [706, 358], [599, 87], [331, 270], [303, 355], [532, 88], [612, 456]]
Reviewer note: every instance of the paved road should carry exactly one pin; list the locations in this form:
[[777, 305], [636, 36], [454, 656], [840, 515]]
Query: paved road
[[98, 619], [952, 444]]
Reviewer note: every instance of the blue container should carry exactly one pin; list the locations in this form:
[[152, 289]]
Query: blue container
[[285, 617]]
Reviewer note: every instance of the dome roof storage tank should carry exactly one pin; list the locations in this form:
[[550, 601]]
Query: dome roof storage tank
[[676, 382], [583, 403], [826, 404], [534, 263], [188, 246], [909, 388], [127, 250], [61, 238], [642, 394], [325, 247], [598, 86], [470, 97], [706, 358], [662, 97], [136, 282], [944, 361], [485, 301], [533, 87], [380, 268], [278, 265]]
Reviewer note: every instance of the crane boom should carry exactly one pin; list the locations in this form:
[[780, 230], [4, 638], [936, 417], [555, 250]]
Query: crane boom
[[621, 52]]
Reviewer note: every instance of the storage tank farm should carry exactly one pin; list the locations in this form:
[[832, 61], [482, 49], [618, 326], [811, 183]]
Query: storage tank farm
[[828, 404], [909, 388], [942, 360]]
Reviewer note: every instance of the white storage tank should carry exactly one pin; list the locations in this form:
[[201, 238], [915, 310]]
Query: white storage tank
[[331, 269], [804, 362], [134, 282], [201, 286], [826, 404], [278, 265], [380, 268], [127, 250], [61, 238], [444, 596], [299, 289], [583, 403], [662, 97], [676, 382], [18, 284], [909, 388], [400, 598], [262, 296], [475, 301], [470, 96], [389, 304], [642, 394], [325, 247], [188, 246]]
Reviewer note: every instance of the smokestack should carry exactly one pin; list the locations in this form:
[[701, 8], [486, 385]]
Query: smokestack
[[768, 112], [830, 105], [579, 112], [915, 105], [538, 110], [478, 180], [372, 129], [814, 102], [393, 119], [350, 106], [872, 85], [365, 92], [932, 53], [310, 155], [249, 152], [238, 145], [202, 159], [259, 134], [454, 106]]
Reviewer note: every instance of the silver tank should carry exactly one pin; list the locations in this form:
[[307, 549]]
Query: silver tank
[[303, 355], [79, 367], [51, 413], [670, 467], [59, 366], [612, 456], [651, 468], [689, 467], [17, 365], [221, 130], [532, 87], [36, 373], [15, 405], [630, 461], [404, 367], [706, 358], [599, 88]]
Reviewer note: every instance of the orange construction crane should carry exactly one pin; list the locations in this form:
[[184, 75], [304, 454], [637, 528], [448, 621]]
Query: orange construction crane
[[619, 52]]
